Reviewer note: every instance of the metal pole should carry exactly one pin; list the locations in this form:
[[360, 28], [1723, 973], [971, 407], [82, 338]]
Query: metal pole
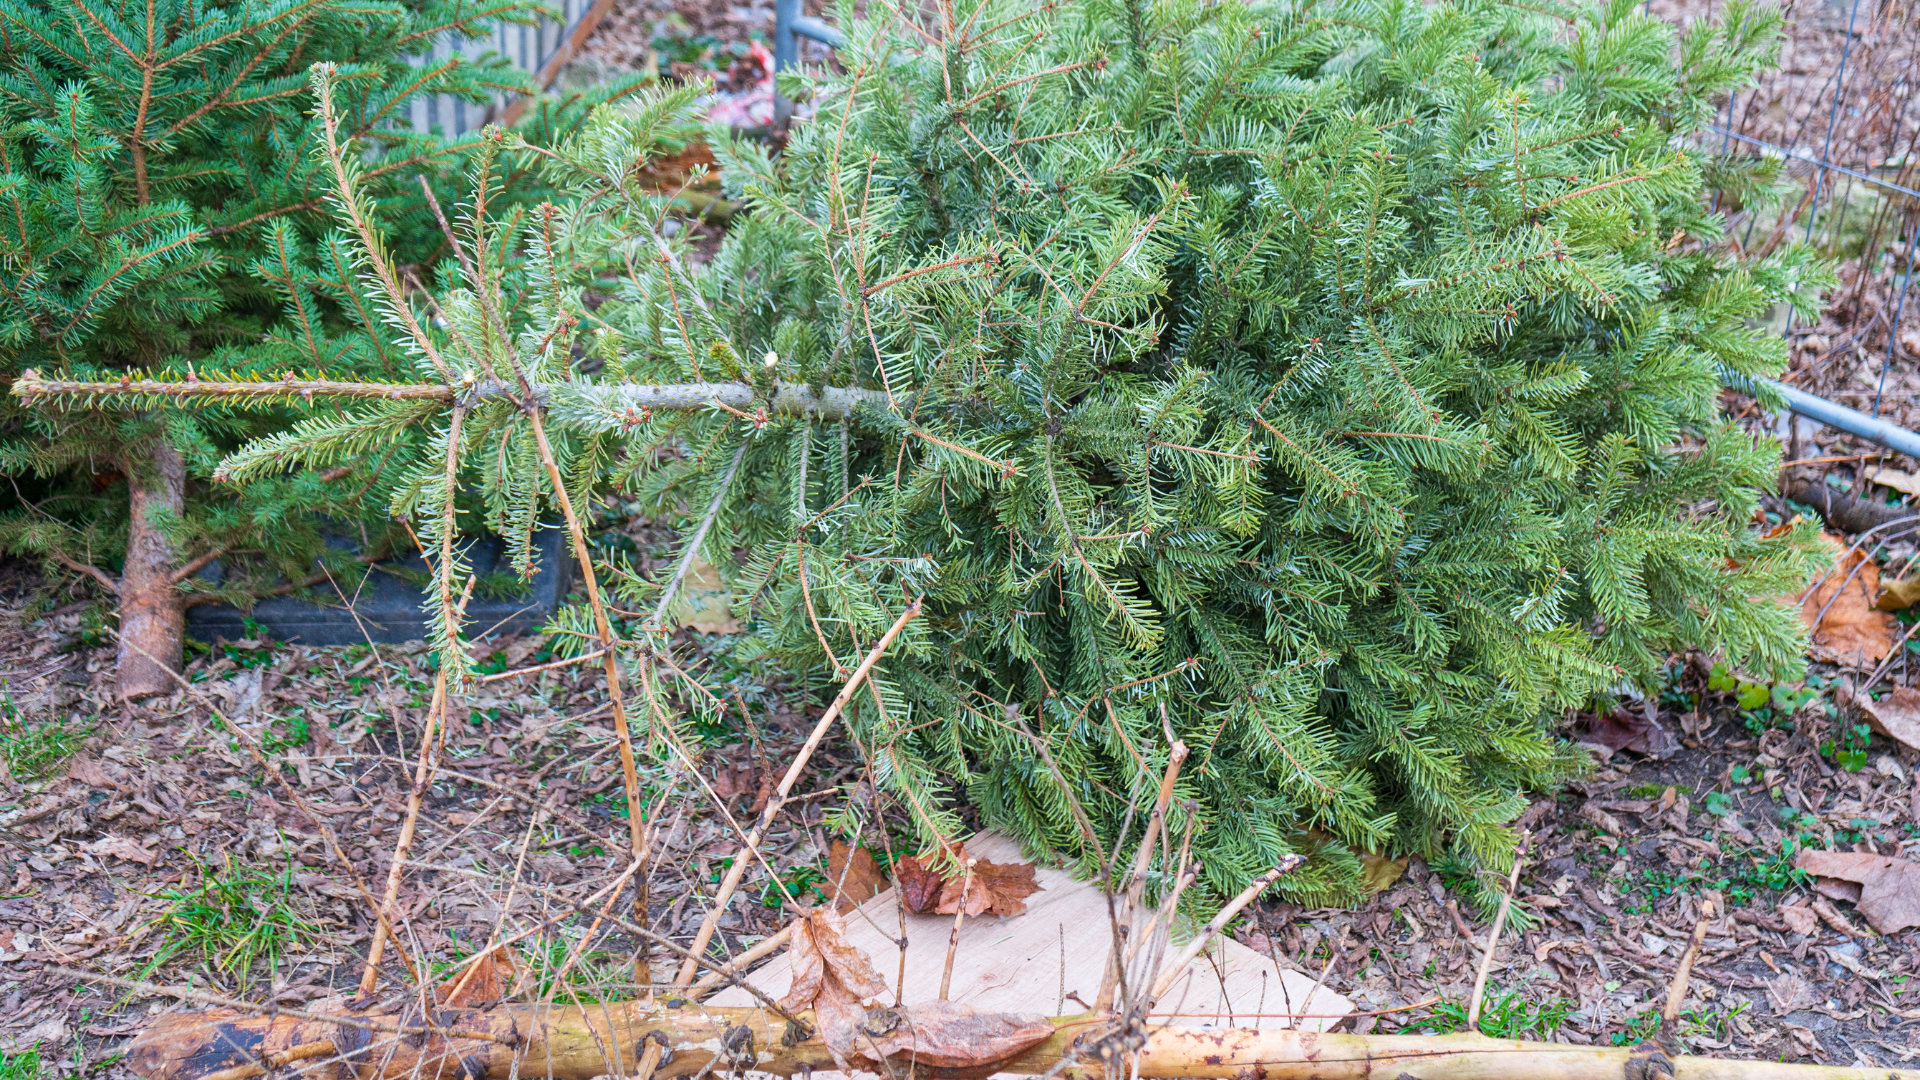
[[1839, 417]]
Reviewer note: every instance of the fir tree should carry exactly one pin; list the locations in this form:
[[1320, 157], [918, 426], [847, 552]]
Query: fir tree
[[163, 209], [1331, 388]]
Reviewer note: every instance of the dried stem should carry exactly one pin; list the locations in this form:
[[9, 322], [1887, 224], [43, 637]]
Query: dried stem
[[1205, 937], [1677, 989], [741, 859], [1493, 939], [959, 920], [642, 970], [1137, 882]]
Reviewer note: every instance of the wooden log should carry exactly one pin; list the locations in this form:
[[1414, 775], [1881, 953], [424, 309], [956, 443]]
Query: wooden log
[[580, 1042]]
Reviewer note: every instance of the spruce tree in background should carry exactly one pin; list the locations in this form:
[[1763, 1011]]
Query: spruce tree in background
[[1332, 387], [163, 209]]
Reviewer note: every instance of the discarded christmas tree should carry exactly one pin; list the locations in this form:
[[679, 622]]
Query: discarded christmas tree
[[1332, 392], [163, 209]]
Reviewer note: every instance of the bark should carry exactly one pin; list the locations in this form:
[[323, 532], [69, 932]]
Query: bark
[[1843, 511], [580, 1042], [153, 614]]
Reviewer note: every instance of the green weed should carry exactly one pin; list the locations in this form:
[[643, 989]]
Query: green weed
[[24, 1065], [233, 918], [1509, 1016], [33, 751], [1849, 750]]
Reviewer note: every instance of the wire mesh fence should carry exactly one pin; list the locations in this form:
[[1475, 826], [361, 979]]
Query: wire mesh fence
[[1839, 120]]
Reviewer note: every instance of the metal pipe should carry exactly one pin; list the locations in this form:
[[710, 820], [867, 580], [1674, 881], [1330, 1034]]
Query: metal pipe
[[1839, 417]]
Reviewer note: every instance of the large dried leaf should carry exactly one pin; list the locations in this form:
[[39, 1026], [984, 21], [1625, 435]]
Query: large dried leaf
[[984, 887], [1897, 716], [1851, 630], [120, 847], [1630, 729], [1377, 872], [949, 1035], [919, 885], [1889, 887], [832, 978], [704, 604], [852, 883], [492, 980]]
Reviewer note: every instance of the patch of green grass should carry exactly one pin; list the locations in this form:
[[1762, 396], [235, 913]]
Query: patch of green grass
[[1691, 1024], [34, 751], [24, 1065], [597, 975], [234, 917], [1509, 1016]]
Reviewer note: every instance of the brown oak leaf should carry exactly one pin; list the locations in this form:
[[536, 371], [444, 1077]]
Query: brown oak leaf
[[491, 980], [831, 977], [949, 1035], [979, 886], [856, 883], [1850, 629], [1889, 887]]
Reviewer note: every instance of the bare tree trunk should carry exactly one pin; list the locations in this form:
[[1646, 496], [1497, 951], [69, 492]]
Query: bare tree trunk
[[153, 620]]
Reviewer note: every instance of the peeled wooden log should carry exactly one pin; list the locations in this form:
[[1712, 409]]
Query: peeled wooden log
[[583, 1041]]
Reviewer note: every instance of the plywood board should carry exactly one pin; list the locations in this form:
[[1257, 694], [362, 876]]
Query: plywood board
[[1050, 961]]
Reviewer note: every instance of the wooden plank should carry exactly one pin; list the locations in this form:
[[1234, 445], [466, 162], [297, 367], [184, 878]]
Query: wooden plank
[[1050, 961], [550, 70]]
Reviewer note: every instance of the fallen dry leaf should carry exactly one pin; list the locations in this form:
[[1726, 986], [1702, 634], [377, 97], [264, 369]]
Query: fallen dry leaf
[[120, 848], [490, 980], [1897, 716], [1377, 872], [852, 885], [1799, 918], [1889, 887], [1899, 595], [949, 1035], [986, 886], [832, 978], [1851, 630], [704, 604], [919, 885], [733, 778], [1788, 992], [1897, 479], [1625, 729]]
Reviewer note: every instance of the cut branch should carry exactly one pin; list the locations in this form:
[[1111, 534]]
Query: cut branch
[[789, 399], [576, 1045]]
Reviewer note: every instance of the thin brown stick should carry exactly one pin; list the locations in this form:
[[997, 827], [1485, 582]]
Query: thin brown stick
[[1204, 938], [611, 665], [741, 858], [959, 920], [537, 668], [1493, 940], [416, 795], [722, 975], [1677, 989], [1142, 861]]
